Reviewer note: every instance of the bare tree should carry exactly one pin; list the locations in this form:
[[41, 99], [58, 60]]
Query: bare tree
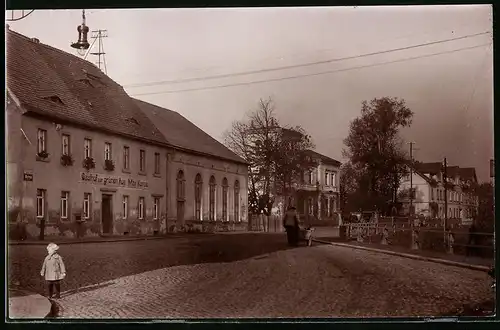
[[276, 155], [254, 139]]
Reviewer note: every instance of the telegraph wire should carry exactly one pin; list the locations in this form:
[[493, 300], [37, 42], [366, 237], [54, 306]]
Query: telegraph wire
[[218, 65], [312, 74], [300, 65]]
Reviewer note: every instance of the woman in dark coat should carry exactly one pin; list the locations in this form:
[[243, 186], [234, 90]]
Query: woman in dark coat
[[291, 224]]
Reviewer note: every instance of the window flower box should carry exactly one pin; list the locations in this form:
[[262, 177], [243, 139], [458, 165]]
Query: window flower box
[[88, 163], [109, 165], [67, 160], [43, 155]]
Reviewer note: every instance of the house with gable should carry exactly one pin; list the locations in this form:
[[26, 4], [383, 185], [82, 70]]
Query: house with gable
[[429, 187], [86, 159]]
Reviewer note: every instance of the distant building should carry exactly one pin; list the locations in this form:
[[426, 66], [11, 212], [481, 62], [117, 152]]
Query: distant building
[[317, 195], [429, 192], [86, 158]]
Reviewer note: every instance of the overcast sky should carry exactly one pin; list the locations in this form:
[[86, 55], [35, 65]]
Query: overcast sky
[[451, 94]]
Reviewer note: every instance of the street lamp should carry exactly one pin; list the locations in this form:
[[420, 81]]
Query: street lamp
[[82, 44]]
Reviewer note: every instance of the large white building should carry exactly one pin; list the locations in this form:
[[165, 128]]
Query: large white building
[[429, 191], [317, 196]]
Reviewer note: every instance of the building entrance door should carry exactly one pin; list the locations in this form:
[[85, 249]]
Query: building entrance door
[[180, 212], [107, 215]]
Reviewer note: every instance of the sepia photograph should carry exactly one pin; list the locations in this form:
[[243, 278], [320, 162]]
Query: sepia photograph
[[250, 163]]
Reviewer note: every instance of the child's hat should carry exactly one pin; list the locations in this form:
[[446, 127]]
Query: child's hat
[[53, 247]]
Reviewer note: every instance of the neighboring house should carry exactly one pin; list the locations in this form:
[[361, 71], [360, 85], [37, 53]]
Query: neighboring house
[[83, 156], [317, 196], [429, 192]]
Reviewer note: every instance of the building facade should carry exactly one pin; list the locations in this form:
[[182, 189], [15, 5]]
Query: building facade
[[429, 192], [84, 158], [317, 196]]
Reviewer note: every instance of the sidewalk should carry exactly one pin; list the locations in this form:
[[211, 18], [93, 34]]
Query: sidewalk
[[101, 239], [476, 263], [27, 305]]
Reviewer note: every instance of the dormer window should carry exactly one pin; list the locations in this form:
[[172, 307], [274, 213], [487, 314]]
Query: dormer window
[[86, 81], [132, 120], [55, 99]]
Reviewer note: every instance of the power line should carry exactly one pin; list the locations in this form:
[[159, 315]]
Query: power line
[[165, 82], [312, 74], [23, 16], [301, 54]]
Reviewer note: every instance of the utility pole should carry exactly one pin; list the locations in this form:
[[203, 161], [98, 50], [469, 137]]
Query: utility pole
[[411, 178], [99, 35], [445, 178]]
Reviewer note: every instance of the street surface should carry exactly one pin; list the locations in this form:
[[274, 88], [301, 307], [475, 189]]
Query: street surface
[[320, 281]]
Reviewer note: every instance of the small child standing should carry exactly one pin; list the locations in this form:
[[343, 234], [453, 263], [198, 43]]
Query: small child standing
[[53, 270]]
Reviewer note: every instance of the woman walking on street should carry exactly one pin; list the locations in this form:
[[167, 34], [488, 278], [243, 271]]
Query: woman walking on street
[[291, 224], [53, 270]]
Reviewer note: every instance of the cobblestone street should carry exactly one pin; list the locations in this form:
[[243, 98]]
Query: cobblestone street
[[321, 281]]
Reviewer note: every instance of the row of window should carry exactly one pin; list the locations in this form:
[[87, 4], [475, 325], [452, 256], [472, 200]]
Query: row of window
[[453, 196], [108, 151], [328, 206], [456, 213], [329, 178], [41, 196], [198, 195]]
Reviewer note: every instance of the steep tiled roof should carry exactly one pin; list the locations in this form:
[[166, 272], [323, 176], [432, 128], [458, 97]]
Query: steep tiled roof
[[323, 158], [468, 173], [183, 134], [429, 168], [59, 85]]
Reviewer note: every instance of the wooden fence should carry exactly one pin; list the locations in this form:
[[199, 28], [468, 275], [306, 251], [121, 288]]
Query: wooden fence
[[454, 240], [265, 223]]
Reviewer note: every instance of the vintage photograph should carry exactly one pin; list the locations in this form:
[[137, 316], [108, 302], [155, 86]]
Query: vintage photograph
[[298, 162]]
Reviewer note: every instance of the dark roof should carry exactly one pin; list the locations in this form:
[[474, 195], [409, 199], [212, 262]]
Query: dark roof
[[52, 83], [428, 168], [468, 173], [323, 158], [183, 134]]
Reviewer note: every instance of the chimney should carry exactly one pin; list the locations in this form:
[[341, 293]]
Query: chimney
[[35, 40]]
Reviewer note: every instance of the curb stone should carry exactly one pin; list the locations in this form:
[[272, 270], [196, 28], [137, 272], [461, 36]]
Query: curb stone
[[29, 306], [410, 256], [145, 238]]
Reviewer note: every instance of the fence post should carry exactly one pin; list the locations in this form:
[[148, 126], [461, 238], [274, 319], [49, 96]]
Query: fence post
[[385, 236], [451, 241], [414, 239]]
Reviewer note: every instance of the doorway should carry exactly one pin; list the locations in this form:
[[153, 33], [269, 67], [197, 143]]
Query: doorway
[[107, 214], [180, 212]]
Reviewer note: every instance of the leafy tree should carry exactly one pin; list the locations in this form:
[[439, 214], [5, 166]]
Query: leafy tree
[[485, 217], [374, 147], [276, 155], [291, 160]]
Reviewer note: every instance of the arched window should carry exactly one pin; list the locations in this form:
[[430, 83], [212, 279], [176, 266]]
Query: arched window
[[198, 188], [211, 197], [236, 201], [224, 199], [180, 186]]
